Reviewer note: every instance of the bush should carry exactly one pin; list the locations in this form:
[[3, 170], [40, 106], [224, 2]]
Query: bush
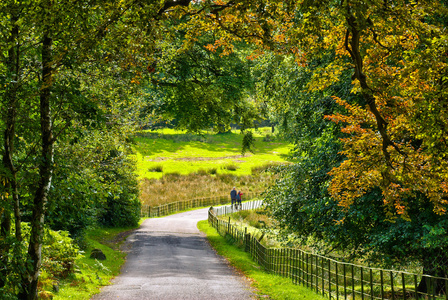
[[122, 207], [122, 211], [231, 167], [213, 171], [202, 172], [158, 168], [59, 253], [266, 168], [268, 138]]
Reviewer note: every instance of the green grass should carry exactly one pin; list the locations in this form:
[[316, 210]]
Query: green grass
[[177, 152], [91, 274], [267, 285]]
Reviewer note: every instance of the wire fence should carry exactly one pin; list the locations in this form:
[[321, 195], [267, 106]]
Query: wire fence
[[331, 278], [173, 207]]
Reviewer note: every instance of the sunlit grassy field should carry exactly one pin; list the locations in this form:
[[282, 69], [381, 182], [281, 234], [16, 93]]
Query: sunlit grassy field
[[169, 151], [175, 166]]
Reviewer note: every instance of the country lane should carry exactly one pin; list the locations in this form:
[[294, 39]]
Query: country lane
[[169, 259]]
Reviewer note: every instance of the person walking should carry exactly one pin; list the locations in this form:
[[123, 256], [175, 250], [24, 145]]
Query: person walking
[[233, 195], [239, 199]]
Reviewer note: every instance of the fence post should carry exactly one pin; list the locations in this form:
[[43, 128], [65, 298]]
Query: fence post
[[382, 283], [322, 274], [392, 284], [329, 279], [344, 271], [337, 279], [353, 281], [307, 270], [446, 289], [415, 286], [362, 283], [149, 212], [403, 283], [245, 239]]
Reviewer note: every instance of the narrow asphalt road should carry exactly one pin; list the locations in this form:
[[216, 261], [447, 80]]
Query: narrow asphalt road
[[169, 259]]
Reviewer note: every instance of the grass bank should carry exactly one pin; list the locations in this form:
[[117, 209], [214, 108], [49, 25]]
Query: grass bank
[[92, 274], [266, 285]]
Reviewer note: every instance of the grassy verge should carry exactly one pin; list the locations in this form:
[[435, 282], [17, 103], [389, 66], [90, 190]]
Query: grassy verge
[[267, 285], [92, 274]]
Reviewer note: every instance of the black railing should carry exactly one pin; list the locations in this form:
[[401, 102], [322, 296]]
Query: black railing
[[173, 207], [329, 277]]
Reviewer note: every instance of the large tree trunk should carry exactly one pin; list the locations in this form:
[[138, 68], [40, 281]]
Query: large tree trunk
[[29, 283]]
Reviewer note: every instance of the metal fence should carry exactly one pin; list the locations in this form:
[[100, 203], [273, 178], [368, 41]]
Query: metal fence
[[331, 278], [173, 207]]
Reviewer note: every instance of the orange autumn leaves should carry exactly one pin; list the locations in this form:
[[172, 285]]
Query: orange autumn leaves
[[404, 67], [402, 56], [413, 169]]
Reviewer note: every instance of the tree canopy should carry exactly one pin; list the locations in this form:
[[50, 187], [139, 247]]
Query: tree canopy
[[359, 86], [384, 63]]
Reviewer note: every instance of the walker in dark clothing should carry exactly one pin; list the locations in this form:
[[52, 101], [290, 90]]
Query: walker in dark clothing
[[233, 195]]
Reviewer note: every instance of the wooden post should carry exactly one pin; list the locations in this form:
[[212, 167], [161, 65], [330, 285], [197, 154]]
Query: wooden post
[[403, 283], [353, 281], [392, 284], [337, 280], [322, 274], [415, 287], [362, 283], [344, 271], [329, 279], [382, 283]]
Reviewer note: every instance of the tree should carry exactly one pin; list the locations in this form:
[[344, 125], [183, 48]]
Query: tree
[[198, 88], [46, 52], [394, 130], [387, 45]]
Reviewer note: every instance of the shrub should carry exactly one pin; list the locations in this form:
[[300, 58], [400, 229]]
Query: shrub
[[158, 168], [231, 167], [202, 172], [59, 253], [268, 138], [179, 138], [122, 211], [264, 168], [122, 206], [213, 171]]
